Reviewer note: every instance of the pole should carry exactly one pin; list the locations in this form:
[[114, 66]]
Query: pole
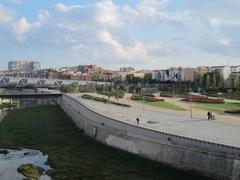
[[191, 113]]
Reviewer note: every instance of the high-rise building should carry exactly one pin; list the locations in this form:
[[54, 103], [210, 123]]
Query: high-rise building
[[23, 66]]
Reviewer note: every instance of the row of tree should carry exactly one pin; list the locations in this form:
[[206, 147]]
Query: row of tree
[[213, 81]]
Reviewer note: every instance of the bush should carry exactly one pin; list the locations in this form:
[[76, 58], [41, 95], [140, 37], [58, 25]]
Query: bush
[[30, 171], [153, 100], [99, 99], [137, 98], [107, 93], [162, 94], [145, 98], [204, 99], [149, 95], [233, 111], [178, 94], [7, 105]]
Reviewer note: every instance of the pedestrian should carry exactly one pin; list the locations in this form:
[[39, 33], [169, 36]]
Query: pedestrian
[[137, 121], [212, 116], [209, 115]]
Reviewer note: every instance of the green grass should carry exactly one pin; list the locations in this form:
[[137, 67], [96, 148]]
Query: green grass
[[165, 105], [217, 107], [75, 156], [2, 91]]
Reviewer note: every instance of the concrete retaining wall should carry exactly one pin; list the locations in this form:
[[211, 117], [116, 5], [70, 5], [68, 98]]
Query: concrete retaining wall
[[210, 159]]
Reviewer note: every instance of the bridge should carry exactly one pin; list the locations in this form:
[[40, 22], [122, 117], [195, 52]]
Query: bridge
[[30, 95], [6, 81]]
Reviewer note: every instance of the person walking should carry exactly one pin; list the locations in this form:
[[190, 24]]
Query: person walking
[[137, 119], [209, 115]]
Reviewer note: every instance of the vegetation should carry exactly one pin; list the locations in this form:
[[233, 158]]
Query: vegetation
[[69, 88], [7, 105], [149, 98], [138, 97], [2, 91], [99, 99], [226, 95], [116, 90], [173, 94], [30, 171], [204, 99], [165, 105], [75, 156], [233, 111], [218, 107]]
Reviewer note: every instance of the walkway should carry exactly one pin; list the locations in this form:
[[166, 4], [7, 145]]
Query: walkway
[[219, 131]]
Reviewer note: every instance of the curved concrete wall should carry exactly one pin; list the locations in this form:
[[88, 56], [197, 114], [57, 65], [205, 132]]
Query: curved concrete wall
[[210, 159]]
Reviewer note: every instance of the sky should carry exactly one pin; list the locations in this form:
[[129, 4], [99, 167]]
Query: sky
[[145, 34]]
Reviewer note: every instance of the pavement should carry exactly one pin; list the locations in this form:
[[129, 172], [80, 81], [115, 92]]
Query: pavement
[[225, 130]]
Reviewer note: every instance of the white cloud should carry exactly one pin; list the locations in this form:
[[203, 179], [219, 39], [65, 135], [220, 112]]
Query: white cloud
[[215, 21], [224, 41], [21, 27], [119, 33], [6, 14], [43, 15], [66, 8], [132, 52], [150, 7], [218, 22], [107, 14]]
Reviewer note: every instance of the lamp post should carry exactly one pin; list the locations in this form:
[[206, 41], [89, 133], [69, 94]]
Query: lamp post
[[190, 101]]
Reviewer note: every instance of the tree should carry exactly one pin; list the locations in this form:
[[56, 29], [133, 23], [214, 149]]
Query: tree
[[238, 83], [69, 88], [147, 78]]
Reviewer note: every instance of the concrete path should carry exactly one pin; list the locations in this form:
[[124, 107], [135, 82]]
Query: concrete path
[[222, 130]]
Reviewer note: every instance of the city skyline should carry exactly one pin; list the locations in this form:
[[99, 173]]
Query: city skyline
[[143, 34]]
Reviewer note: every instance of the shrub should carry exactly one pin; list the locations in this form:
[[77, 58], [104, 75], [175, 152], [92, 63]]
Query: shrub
[[145, 98], [153, 100], [149, 95], [204, 99], [137, 98], [233, 111], [30, 171], [99, 99]]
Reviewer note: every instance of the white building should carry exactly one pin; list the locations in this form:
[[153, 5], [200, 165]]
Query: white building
[[160, 75], [235, 69], [174, 74], [23, 66], [223, 70]]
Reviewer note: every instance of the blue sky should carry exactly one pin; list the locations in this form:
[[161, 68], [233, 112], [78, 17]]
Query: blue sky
[[145, 34]]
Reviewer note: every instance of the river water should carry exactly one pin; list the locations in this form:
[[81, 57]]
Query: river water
[[3, 113], [10, 162]]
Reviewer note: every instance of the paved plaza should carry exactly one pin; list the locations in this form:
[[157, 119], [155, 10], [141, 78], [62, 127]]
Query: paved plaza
[[179, 123]]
